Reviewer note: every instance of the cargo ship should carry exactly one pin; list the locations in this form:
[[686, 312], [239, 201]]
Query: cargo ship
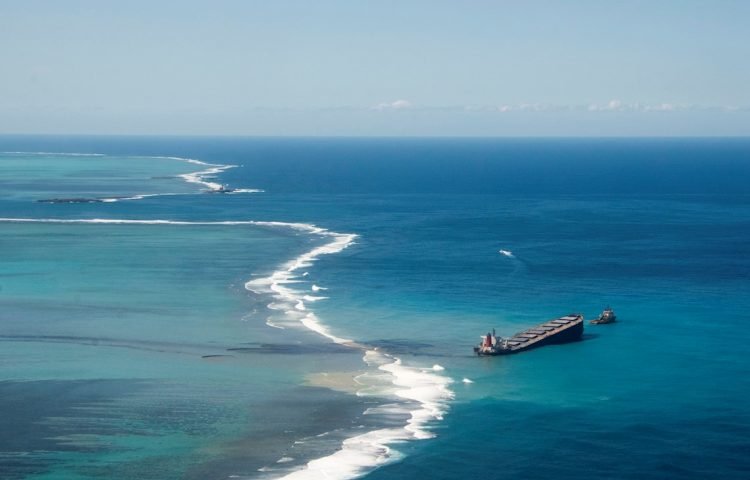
[[560, 330]]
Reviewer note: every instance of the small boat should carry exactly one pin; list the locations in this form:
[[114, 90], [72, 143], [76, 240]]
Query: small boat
[[560, 330], [607, 316]]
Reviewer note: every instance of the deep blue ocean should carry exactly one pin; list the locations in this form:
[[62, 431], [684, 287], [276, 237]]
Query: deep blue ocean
[[212, 308]]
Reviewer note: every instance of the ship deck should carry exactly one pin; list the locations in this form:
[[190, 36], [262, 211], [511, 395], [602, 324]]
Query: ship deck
[[539, 334]]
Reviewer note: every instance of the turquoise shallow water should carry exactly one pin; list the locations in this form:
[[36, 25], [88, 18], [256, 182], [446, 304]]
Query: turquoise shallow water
[[135, 351], [48, 176], [121, 315], [129, 281]]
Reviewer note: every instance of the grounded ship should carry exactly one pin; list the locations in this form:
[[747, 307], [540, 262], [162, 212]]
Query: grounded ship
[[560, 330]]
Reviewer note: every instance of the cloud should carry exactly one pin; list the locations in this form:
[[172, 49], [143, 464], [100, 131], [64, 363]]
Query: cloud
[[530, 107], [620, 106], [394, 105], [614, 105], [665, 107]]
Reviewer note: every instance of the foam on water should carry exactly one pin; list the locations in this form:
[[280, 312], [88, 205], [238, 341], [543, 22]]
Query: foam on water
[[423, 394], [204, 177], [428, 389], [201, 177], [246, 190], [139, 197], [507, 253], [426, 396], [292, 301], [310, 298], [385, 409]]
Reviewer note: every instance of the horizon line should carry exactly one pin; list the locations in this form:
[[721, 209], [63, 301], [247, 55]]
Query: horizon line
[[281, 136]]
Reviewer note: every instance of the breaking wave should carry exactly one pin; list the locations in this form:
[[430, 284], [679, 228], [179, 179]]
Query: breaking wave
[[291, 302], [421, 394]]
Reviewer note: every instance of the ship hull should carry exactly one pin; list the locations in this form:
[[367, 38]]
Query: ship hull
[[602, 321], [561, 330]]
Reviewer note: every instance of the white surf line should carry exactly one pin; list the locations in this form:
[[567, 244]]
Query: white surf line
[[425, 393], [236, 191], [426, 398], [199, 178], [125, 221], [139, 197], [291, 301]]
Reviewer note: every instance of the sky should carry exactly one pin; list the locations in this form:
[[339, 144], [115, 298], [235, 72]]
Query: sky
[[376, 68]]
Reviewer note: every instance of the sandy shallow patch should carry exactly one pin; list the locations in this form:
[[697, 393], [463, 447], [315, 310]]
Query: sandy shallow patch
[[339, 381]]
